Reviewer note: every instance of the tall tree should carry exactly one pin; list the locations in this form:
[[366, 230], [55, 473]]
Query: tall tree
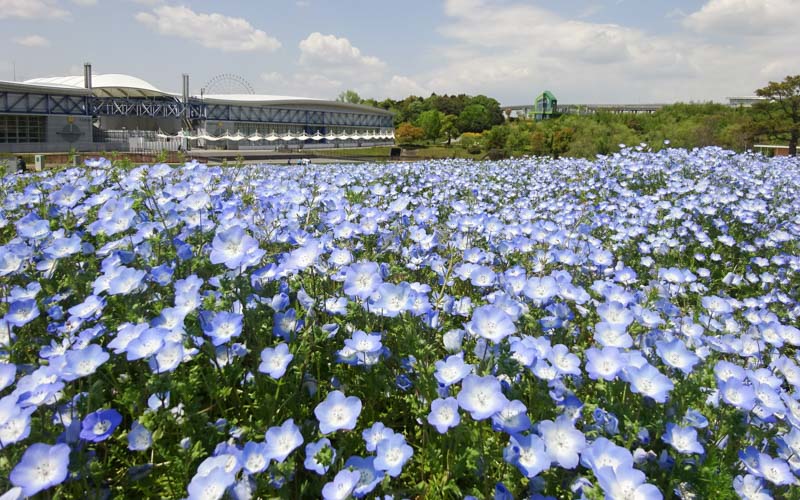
[[431, 122], [450, 127], [783, 108], [474, 118], [350, 96], [407, 133]]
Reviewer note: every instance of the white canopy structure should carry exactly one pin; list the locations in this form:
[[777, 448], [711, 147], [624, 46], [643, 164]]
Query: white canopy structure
[[255, 137], [110, 85]]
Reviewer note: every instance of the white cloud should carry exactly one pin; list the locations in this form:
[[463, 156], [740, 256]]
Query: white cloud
[[745, 17], [214, 31], [85, 2], [513, 49], [400, 87], [32, 41], [329, 51], [31, 9]]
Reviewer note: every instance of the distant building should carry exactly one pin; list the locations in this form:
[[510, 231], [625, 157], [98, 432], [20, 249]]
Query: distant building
[[744, 102], [116, 112], [545, 106]]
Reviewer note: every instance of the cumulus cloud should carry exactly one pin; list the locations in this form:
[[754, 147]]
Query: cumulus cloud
[[214, 31], [31, 9], [32, 41], [513, 49], [400, 87], [748, 17], [330, 51]]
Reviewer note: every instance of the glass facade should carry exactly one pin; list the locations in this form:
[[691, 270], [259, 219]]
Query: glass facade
[[19, 129]]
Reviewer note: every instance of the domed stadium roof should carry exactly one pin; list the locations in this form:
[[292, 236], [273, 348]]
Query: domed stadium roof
[[110, 85]]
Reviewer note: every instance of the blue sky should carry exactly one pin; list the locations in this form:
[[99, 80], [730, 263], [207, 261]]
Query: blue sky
[[585, 51]]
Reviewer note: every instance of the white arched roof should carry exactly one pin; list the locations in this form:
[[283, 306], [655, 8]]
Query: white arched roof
[[111, 85]]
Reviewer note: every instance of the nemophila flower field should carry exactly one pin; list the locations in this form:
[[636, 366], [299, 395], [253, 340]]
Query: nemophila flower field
[[625, 328]]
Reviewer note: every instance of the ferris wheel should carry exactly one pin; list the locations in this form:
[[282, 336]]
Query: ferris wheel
[[228, 83]]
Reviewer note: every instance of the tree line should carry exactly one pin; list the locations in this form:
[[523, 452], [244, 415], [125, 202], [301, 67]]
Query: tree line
[[477, 124]]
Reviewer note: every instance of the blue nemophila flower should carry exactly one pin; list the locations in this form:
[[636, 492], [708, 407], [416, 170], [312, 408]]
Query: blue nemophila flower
[[562, 440], [695, 419], [274, 361], [528, 454], [168, 357], [444, 414], [255, 457], [491, 323], [564, 361], [603, 363], [392, 454], [751, 487], [146, 344], [342, 485], [775, 470], [210, 486], [285, 324], [99, 425], [375, 434], [281, 441], [362, 279], [126, 280], [541, 290], [370, 477], [675, 354], [319, 456], [83, 362], [390, 300], [21, 312], [626, 482], [610, 335], [223, 326], [235, 248], [304, 256], [90, 307], [716, 305], [737, 394], [452, 370], [15, 421], [41, 467], [139, 438], [650, 382], [603, 453], [482, 276], [367, 347], [683, 439], [615, 314], [7, 373], [482, 397], [337, 412], [513, 419]]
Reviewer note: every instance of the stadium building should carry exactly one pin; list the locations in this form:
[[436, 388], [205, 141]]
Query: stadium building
[[117, 112]]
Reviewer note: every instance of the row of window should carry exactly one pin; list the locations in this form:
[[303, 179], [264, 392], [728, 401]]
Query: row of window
[[249, 128], [16, 129]]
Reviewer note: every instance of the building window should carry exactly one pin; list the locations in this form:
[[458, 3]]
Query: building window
[[17, 129]]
